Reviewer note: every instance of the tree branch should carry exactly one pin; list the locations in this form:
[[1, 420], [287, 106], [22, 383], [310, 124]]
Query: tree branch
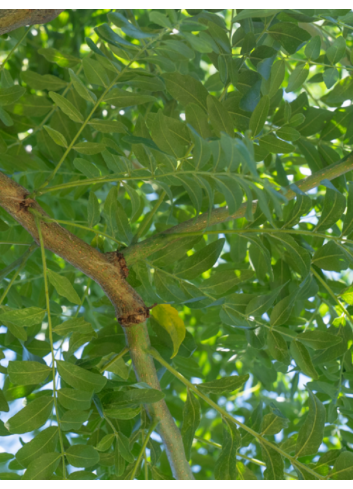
[[13, 18], [106, 270], [141, 250]]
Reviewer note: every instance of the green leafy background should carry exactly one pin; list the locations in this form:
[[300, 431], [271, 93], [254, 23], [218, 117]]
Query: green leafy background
[[125, 124]]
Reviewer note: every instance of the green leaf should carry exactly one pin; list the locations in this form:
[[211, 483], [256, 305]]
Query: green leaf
[[118, 367], [107, 126], [67, 107], [95, 73], [199, 262], [4, 457], [31, 417], [312, 431], [42, 468], [272, 144], [318, 340], [197, 119], [93, 213], [288, 133], [81, 89], [131, 30], [334, 205], [124, 232], [122, 413], [297, 77], [87, 148], [225, 384], [5, 117], [274, 463], [170, 135], [135, 201], [273, 424], [23, 317], [63, 287], [219, 116], [72, 325], [82, 456], [191, 420], [39, 348], [186, 89], [331, 77], [343, 468], [56, 136], [123, 447], [106, 33], [10, 95], [105, 443], [225, 467], [27, 373], [122, 98], [252, 13], [261, 304], [88, 168], [259, 116], [82, 475], [277, 346], [297, 120], [297, 257], [278, 71], [74, 399], [222, 281], [289, 35], [160, 19], [61, 59], [302, 359], [348, 218], [282, 310], [194, 191], [169, 319], [79, 378], [337, 50], [244, 473], [136, 396], [73, 420], [117, 228], [312, 49], [4, 407], [42, 82], [331, 256]]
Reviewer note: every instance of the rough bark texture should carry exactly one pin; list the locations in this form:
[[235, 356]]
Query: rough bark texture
[[11, 19]]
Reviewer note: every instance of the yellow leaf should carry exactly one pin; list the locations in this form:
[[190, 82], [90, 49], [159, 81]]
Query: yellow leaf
[[169, 319]]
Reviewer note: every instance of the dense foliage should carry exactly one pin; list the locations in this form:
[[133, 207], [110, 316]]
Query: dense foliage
[[123, 125]]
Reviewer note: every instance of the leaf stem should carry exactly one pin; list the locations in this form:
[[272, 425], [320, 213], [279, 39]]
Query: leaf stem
[[18, 271], [116, 357], [96, 105], [147, 222], [143, 448], [46, 288], [226, 415], [330, 292], [240, 455], [14, 48]]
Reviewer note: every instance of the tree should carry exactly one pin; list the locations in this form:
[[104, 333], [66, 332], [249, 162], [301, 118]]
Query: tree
[[180, 183]]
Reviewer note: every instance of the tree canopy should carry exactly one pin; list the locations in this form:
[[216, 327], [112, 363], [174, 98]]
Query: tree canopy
[[176, 218]]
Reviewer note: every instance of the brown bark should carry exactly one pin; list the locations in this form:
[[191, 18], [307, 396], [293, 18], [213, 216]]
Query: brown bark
[[109, 271], [105, 269], [11, 19]]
